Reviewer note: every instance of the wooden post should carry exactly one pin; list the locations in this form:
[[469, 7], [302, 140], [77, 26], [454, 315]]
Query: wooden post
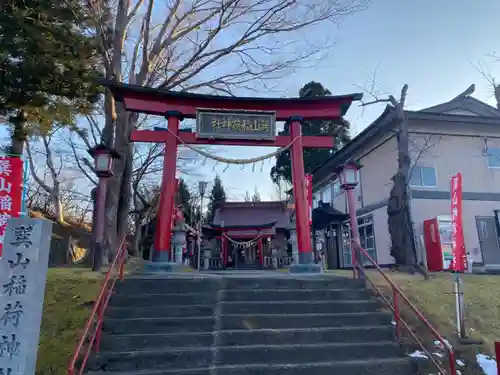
[[299, 193], [164, 216]]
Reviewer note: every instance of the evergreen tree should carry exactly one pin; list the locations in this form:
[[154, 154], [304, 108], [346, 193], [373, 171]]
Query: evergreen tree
[[185, 201], [256, 196], [247, 196], [48, 66], [313, 158], [217, 196]]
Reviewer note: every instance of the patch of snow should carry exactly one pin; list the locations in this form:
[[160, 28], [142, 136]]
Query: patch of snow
[[488, 364], [440, 355], [460, 363], [458, 372], [418, 354], [393, 323]]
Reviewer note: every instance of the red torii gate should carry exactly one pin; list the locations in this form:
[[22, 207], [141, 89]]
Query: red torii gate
[[176, 106]]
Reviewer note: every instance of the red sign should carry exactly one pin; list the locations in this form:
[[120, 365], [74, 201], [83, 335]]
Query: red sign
[[11, 191], [459, 261], [309, 195]]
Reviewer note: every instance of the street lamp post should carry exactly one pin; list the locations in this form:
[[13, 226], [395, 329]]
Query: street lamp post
[[202, 188], [349, 179], [103, 165]]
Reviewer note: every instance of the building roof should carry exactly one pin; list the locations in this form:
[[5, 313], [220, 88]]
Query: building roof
[[324, 214], [252, 214], [463, 108], [464, 104]]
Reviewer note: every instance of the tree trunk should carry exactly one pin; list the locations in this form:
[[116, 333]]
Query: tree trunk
[[136, 242], [19, 133], [399, 224], [119, 186], [398, 208]]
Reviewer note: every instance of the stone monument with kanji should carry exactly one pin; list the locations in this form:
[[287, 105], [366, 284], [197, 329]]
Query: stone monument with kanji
[[23, 272]]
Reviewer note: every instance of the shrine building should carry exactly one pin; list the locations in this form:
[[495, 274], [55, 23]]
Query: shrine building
[[248, 235]]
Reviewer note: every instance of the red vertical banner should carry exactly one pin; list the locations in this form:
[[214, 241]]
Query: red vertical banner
[[11, 191], [459, 261], [309, 195]]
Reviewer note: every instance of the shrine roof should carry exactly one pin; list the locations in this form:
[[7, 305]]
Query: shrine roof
[[120, 89], [142, 97], [253, 214], [243, 226]]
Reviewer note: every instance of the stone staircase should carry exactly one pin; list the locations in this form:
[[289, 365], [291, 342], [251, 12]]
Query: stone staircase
[[247, 326]]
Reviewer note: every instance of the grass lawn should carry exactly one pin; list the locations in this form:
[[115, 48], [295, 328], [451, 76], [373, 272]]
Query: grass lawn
[[436, 300], [69, 295]]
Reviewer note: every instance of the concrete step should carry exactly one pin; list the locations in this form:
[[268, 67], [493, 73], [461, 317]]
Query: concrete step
[[130, 342], [390, 366], [177, 358], [295, 294], [157, 286], [178, 311], [164, 299], [296, 354], [288, 283], [158, 325], [298, 307], [277, 321], [152, 359], [306, 335]]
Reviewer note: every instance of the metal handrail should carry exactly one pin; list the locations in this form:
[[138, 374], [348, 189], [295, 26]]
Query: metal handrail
[[394, 306], [91, 339]]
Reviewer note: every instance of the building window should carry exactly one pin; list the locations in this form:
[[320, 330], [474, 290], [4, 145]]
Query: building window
[[366, 237], [423, 177], [493, 157], [315, 200], [326, 194], [337, 190]]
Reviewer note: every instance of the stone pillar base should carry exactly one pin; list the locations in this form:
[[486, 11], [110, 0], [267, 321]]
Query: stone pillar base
[[306, 268], [160, 267], [178, 255], [161, 256], [306, 264]]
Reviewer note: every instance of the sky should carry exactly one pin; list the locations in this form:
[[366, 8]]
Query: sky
[[433, 46]]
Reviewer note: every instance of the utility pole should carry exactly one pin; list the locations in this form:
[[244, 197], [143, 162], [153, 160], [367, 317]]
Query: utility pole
[[202, 188]]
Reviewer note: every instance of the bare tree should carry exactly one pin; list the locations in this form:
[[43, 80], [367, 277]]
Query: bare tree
[[403, 248], [53, 188], [281, 189], [207, 45], [488, 76], [76, 206], [398, 210]]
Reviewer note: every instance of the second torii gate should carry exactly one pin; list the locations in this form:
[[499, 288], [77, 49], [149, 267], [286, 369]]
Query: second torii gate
[[231, 121]]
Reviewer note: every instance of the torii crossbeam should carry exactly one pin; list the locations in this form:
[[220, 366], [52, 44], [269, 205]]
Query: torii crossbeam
[[231, 121]]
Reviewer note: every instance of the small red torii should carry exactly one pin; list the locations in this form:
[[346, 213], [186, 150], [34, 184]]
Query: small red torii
[[176, 106]]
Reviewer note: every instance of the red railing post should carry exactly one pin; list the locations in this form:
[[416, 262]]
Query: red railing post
[[399, 296], [91, 338], [397, 318], [452, 359], [497, 355]]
